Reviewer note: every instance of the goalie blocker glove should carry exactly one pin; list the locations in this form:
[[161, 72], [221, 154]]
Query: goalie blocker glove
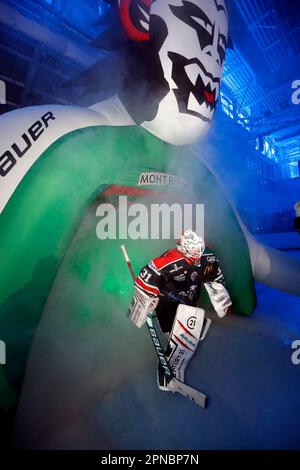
[[142, 305]]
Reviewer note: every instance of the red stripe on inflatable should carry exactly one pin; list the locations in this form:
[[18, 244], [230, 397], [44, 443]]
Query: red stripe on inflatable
[[130, 191], [120, 190]]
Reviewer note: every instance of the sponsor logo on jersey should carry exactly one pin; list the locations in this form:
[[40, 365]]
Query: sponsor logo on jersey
[[190, 293], [211, 259], [164, 179], [181, 277], [208, 269], [176, 268]]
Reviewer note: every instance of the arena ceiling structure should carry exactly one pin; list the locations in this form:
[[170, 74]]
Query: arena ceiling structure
[[260, 71], [45, 43]]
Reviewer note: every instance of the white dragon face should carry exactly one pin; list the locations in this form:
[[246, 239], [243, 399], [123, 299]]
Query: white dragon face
[[192, 58]]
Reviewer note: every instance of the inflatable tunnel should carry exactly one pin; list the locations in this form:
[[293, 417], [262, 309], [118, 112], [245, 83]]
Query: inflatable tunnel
[[52, 259]]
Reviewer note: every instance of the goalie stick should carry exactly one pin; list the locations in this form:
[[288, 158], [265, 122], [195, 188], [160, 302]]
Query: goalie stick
[[174, 384]]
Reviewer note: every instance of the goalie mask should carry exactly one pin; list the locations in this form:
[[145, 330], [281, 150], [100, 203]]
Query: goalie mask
[[186, 44], [191, 245]]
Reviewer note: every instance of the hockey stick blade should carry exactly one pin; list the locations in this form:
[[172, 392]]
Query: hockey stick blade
[[192, 394]]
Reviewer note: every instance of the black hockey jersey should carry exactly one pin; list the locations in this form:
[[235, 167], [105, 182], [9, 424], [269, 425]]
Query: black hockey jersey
[[177, 277]]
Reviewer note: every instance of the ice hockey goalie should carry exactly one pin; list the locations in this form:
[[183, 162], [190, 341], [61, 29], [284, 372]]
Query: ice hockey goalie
[[170, 284]]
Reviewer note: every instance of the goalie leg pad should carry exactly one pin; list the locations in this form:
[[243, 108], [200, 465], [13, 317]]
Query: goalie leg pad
[[188, 326]]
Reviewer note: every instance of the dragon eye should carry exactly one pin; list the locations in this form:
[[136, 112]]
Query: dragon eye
[[208, 27], [222, 42], [222, 47]]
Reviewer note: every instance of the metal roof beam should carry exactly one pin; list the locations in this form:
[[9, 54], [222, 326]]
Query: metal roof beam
[[55, 41]]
